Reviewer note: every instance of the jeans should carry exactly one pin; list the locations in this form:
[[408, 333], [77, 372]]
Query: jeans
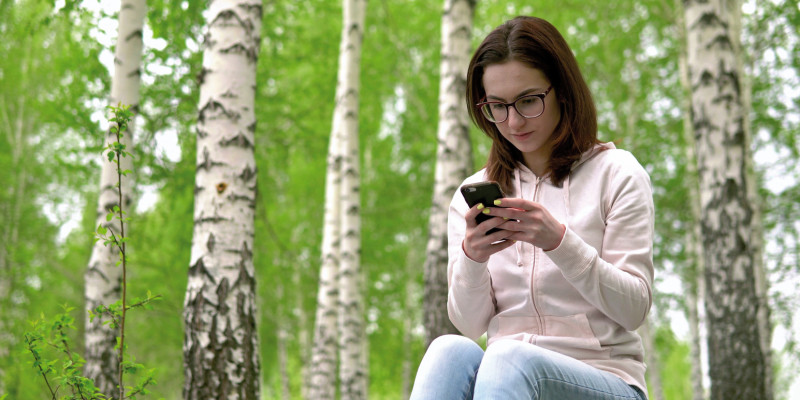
[[455, 367]]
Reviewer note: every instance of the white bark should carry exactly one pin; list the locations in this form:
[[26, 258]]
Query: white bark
[[693, 278], [103, 277], [762, 283], [453, 159], [324, 356], [737, 364], [221, 356], [353, 369]]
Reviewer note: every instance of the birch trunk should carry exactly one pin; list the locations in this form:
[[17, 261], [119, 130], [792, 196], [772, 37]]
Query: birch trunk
[[757, 236], [220, 350], [103, 277], [353, 352], [693, 276], [324, 356], [737, 365], [453, 160]]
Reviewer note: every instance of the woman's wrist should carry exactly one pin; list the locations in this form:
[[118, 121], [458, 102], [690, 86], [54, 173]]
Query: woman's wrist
[[560, 239], [464, 249]]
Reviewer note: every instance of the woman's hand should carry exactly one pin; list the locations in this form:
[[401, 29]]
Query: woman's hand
[[527, 221], [477, 244]]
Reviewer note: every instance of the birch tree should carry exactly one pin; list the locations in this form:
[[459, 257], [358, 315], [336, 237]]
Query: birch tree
[[221, 355], [103, 277], [324, 356], [453, 159], [353, 350], [757, 234], [737, 364], [693, 277]]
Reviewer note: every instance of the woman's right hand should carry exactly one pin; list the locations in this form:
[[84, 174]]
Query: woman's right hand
[[477, 245]]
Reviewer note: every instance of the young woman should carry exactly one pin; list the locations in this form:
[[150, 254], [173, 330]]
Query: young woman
[[565, 282]]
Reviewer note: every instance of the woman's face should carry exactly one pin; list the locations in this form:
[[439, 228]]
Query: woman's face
[[507, 82]]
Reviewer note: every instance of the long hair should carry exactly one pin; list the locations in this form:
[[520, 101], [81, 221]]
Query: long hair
[[538, 44]]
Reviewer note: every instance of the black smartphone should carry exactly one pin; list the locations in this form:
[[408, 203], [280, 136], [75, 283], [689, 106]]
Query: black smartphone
[[485, 193]]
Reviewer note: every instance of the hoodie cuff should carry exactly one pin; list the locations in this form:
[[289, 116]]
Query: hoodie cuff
[[573, 255], [470, 272]]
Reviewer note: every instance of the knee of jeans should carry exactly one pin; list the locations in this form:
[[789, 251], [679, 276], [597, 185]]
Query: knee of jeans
[[503, 348], [453, 344], [508, 350]]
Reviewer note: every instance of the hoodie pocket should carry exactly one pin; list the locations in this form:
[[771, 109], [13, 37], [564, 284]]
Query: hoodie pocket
[[572, 335]]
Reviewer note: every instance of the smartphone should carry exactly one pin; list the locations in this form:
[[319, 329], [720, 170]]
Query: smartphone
[[485, 193]]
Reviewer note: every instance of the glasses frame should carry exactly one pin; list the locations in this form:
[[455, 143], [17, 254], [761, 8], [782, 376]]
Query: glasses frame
[[541, 96]]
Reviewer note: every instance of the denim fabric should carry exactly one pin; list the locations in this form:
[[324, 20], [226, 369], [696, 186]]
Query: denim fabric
[[455, 367]]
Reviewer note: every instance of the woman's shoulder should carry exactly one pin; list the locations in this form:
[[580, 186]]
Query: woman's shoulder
[[615, 161]]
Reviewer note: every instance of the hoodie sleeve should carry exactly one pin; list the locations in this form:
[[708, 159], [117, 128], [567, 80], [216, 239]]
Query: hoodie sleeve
[[470, 303], [618, 279]]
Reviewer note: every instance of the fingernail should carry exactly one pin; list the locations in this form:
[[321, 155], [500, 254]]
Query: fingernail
[[480, 206], [497, 202], [486, 211]]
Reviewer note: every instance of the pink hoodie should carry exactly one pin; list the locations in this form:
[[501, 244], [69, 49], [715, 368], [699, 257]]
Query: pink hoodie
[[585, 298]]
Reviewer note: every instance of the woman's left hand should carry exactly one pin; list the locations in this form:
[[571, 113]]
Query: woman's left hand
[[529, 221]]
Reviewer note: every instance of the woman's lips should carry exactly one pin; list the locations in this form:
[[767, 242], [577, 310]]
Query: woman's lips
[[522, 136]]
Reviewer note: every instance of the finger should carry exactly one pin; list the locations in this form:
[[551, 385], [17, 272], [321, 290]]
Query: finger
[[490, 223], [472, 213], [511, 225], [501, 245], [504, 213], [498, 235], [515, 202]]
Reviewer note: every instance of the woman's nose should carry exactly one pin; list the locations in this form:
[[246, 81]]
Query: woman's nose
[[515, 120]]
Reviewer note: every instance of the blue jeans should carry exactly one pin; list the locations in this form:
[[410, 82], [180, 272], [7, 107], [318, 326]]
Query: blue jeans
[[455, 367]]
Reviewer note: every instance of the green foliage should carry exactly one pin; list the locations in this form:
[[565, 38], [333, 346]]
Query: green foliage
[[53, 78], [53, 333], [56, 372], [673, 354]]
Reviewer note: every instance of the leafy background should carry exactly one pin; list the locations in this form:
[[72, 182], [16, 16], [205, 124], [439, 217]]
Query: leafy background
[[54, 82]]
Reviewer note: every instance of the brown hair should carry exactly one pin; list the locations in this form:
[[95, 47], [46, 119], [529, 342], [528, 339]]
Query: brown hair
[[538, 44]]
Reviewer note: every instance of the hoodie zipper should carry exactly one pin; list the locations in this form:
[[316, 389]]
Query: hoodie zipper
[[533, 266]]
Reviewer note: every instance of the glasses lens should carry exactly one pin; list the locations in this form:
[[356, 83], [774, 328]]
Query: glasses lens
[[529, 106], [495, 112]]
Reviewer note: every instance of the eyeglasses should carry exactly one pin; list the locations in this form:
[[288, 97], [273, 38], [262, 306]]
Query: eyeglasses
[[528, 106]]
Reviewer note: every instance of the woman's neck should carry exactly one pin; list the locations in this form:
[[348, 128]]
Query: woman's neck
[[537, 162]]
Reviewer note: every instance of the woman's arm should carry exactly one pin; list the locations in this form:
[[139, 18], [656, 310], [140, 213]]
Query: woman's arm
[[620, 283], [470, 301]]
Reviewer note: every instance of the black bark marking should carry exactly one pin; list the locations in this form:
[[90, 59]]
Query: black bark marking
[[210, 243], [199, 268], [239, 140], [248, 174], [207, 163], [214, 109]]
